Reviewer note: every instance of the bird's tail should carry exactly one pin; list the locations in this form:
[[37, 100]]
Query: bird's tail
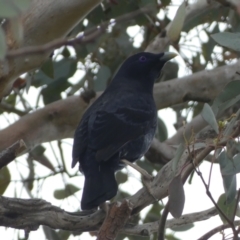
[[98, 188]]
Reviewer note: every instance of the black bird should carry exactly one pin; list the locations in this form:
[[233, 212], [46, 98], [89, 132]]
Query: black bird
[[120, 124]]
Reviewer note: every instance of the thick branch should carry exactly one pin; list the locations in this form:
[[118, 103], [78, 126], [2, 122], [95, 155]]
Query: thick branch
[[31, 213]]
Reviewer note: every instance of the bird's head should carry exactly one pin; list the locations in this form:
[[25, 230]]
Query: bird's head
[[144, 66]]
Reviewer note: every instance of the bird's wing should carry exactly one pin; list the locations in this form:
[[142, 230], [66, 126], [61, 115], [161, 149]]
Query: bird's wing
[[109, 131]]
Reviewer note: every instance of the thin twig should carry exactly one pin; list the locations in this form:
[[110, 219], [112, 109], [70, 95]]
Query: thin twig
[[161, 228], [217, 229], [236, 205], [230, 223]]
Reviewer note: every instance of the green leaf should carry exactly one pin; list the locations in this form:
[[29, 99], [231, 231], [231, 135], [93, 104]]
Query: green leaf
[[176, 197], [48, 68], [173, 32], [3, 45], [50, 233], [227, 39], [63, 234], [22, 4], [169, 71], [209, 117], [65, 68], [8, 9], [52, 92], [162, 132], [177, 157], [66, 53], [11, 99], [207, 48], [228, 209], [103, 75], [183, 228], [154, 213], [5, 179], [68, 191], [205, 15], [231, 167], [230, 186], [38, 155], [165, 2], [231, 124], [229, 96], [229, 181], [171, 237], [121, 177]]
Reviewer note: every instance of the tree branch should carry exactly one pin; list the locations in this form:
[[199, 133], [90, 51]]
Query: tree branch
[[31, 213]]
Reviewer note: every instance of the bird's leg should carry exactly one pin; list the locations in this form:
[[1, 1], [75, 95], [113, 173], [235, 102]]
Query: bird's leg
[[146, 177], [143, 172], [104, 206]]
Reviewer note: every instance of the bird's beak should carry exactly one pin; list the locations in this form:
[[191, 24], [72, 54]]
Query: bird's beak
[[168, 56]]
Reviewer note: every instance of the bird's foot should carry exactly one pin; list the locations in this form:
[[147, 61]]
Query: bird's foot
[[146, 177]]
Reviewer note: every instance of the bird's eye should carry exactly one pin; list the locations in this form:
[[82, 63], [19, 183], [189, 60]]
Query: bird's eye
[[142, 59]]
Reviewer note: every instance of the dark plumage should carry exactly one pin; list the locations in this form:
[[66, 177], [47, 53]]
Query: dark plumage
[[120, 124]]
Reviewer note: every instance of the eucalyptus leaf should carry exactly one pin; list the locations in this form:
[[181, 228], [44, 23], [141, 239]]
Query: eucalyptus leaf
[[228, 39], [5, 178], [229, 180], [103, 76], [162, 132], [121, 177], [50, 233], [209, 117], [8, 9], [227, 209], [230, 186], [177, 157], [230, 126], [3, 44], [183, 228], [229, 96], [48, 68], [174, 30], [22, 4], [176, 197], [205, 15], [232, 167], [68, 191]]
